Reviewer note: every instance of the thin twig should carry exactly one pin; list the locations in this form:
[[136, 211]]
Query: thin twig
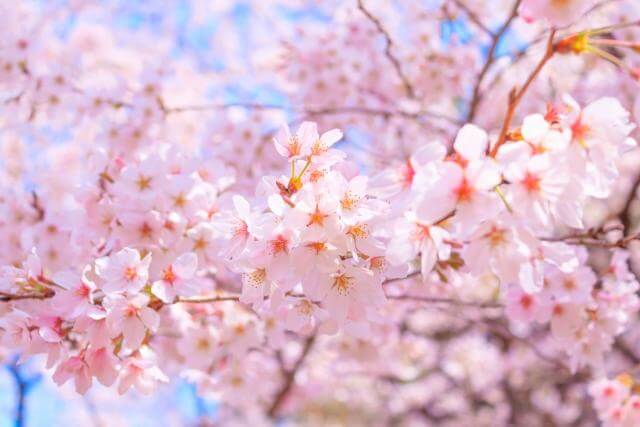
[[592, 233], [516, 95], [205, 299]]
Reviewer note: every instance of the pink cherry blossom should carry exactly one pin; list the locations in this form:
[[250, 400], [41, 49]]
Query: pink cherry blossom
[[123, 271], [130, 318], [177, 278]]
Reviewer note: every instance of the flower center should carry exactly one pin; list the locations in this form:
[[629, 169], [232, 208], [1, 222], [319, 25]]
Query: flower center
[[294, 146], [526, 301], [317, 246], [169, 275], [349, 201], [241, 229], [317, 217], [143, 182], [531, 182], [203, 344], [496, 237], [464, 191], [342, 284], [130, 273], [279, 245], [305, 307]]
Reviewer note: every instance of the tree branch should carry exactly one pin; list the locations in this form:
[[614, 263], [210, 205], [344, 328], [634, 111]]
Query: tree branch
[[594, 242], [449, 301], [7, 297], [473, 17], [21, 392], [495, 40], [289, 378], [323, 111], [387, 49], [516, 95], [23, 384], [205, 299], [625, 213]]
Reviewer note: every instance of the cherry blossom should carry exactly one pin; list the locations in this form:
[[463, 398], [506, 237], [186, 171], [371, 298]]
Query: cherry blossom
[[123, 271]]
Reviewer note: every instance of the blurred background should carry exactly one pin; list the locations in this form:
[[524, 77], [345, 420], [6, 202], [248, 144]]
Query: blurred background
[[212, 36]]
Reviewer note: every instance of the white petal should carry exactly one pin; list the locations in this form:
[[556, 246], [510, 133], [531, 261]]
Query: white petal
[[471, 142]]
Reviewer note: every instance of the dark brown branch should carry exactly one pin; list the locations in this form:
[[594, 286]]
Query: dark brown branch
[[35, 204], [387, 49], [624, 348], [7, 297], [495, 40], [289, 378]]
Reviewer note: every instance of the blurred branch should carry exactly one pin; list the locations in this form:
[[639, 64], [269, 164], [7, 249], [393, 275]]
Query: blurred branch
[[387, 49], [624, 348], [625, 214], [502, 331], [594, 242], [23, 385], [289, 377], [205, 299], [21, 391], [35, 204], [450, 301], [495, 40], [206, 107], [473, 17], [321, 111]]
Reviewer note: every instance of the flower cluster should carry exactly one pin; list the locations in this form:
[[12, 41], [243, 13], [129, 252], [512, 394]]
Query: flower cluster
[[616, 401], [316, 234]]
